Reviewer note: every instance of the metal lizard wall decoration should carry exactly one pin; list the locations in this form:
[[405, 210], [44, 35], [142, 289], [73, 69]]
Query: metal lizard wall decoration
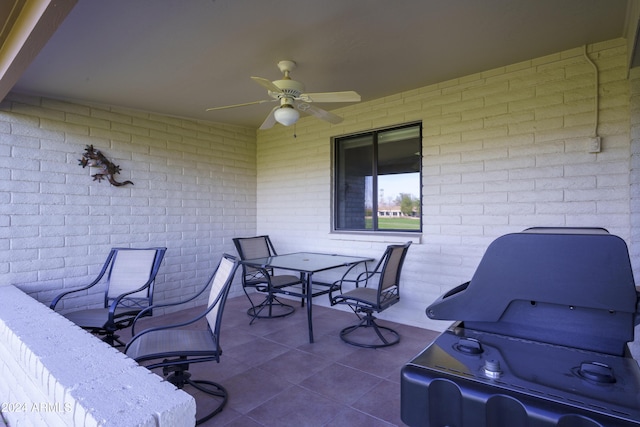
[[95, 159]]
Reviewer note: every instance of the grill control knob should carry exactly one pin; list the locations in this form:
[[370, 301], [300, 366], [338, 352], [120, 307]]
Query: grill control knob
[[468, 346], [598, 372], [491, 369]]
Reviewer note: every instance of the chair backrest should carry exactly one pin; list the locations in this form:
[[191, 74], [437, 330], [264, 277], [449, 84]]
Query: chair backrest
[[390, 267], [132, 269], [220, 283], [253, 247]]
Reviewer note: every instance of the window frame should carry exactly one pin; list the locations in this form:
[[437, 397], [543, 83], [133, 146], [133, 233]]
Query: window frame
[[335, 181]]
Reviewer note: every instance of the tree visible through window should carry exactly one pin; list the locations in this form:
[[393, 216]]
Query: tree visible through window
[[378, 180]]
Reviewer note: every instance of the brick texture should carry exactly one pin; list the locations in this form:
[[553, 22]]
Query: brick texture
[[503, 150], [54, 373], [194, 189]]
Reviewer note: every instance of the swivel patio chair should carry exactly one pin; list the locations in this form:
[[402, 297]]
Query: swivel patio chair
[[369, 292], [263, 280], [174, 347], [129, 275]]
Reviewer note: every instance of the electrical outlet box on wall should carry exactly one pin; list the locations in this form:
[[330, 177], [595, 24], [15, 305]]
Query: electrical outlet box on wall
[[595, 144]]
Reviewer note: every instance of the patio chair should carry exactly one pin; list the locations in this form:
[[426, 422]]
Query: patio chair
[[371, 291], [174, 347], [263, 280], [129, 275]]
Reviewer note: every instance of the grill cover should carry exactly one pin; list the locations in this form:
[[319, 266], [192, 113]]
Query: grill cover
[[562, 288]]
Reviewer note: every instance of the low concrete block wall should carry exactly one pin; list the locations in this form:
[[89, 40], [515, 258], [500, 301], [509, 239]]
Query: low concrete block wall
[[54, 373]]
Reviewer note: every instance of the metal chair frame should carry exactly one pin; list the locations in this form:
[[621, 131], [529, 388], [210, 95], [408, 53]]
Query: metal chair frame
[[374, 291], [263, 280], [119, 310], [175, 358]]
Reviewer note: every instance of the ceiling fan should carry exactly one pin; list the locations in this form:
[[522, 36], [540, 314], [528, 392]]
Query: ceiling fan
[[292, 99]]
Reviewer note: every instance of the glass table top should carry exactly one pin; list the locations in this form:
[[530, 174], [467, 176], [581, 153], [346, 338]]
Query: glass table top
[[308, 262]]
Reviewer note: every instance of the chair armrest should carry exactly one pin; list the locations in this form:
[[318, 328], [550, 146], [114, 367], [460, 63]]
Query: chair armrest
[[170, 304], [57, 299], [362, 277], [103, 270], [116, 301], [163, 327]]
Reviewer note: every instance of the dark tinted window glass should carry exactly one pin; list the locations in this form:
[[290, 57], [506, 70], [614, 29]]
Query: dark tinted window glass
[[378, 180]]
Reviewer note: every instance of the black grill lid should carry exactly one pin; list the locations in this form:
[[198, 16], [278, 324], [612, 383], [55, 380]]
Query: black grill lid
[[568, 287]]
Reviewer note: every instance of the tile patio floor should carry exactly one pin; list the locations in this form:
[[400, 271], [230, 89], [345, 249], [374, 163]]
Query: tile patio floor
[[275, 377]]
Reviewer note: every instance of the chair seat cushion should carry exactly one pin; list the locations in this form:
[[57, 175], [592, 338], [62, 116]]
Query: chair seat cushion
[[278, 281], [174, 341], [369, 296], [97, 318], [282, 280]]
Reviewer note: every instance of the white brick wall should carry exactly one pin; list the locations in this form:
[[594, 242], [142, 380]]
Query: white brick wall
[[54, 373], [194, 189], [504, 150]]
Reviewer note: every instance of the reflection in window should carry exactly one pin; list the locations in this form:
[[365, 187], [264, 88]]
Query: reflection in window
[[378, 180]]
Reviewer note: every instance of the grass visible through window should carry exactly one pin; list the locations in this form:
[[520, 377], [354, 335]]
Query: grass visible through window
[[395, 223]]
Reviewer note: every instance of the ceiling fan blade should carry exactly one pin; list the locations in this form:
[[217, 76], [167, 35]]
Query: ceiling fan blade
[[262, 101], [318, 112], [268, 84], [346, 96], [270, 120]]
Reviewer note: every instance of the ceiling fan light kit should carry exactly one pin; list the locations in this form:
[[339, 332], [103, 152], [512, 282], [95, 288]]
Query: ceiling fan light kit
[[292, 99], [286, 115]]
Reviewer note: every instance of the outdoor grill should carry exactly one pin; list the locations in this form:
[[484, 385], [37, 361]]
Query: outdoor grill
[[539, 339]]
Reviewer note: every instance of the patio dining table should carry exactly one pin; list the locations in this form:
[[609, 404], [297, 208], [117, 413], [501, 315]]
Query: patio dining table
[[307, 264]]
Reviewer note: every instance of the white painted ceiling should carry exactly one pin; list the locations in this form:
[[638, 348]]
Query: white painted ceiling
[[179, 57]]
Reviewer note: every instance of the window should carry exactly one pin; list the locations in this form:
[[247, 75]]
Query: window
[[378, 180]]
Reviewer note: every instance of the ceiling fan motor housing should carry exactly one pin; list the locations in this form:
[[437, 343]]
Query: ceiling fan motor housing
[[290, 88]]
